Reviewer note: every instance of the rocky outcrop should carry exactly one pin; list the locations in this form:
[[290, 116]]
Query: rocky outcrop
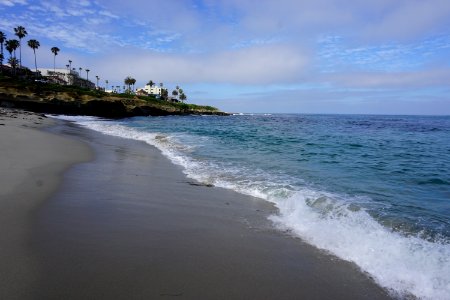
[[71, 103]]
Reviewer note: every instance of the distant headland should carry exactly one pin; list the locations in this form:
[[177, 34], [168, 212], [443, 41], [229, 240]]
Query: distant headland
[[65, 91]]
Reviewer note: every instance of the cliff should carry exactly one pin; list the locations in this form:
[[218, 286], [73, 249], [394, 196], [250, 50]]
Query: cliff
[[48, 98]]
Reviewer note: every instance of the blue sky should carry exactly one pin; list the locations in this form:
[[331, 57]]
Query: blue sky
[[321, 56]]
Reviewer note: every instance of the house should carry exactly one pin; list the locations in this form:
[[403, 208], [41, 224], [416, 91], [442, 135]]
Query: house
[[65, 77], [60, 76], [141, 92], [152, 90]]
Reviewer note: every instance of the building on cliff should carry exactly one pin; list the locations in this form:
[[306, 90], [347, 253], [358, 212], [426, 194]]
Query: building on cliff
[[65, 77], [152, 90]]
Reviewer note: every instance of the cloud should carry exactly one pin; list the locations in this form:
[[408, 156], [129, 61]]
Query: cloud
[[410, 18], [396, 80], [257, 65], [336, 54], [11, 3]]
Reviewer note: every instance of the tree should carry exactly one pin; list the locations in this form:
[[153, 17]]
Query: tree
[[175, 93], [55, 51], [151, 83], [182, 97], [106, 82], [133, 82], [20, 32], [128, 81], [70, 64], [13, 62], [164, 94], [11, 47], [96, 76], [87, 74], [34, 44], [2, 41]]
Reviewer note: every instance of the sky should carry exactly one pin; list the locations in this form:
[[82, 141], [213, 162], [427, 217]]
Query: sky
[[284, 56]]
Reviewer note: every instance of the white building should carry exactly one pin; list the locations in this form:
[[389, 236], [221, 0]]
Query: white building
[[50, 72], [153, 90], [66, 75]]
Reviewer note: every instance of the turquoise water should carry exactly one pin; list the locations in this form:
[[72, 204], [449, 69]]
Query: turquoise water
[[374, 190]]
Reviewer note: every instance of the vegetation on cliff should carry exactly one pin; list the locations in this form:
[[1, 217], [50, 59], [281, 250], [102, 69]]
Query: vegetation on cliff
[[67, 99]]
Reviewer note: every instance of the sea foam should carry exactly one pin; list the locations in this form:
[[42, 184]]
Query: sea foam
[[404, 265]]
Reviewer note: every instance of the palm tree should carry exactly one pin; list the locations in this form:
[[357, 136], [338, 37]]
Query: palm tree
[[106, 82], [151, 83], [133, 82], [87, 74], [55, 51], [34, 44], [128, 81], [11, 46], [2, 40], [80, 68], [182, 97], [164, 94], [70, 64], [13, 62], [175, 93], [96, 76], [21, 33]]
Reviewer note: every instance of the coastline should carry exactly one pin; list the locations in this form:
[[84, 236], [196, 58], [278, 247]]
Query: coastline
[[129, 224], [67, 99]]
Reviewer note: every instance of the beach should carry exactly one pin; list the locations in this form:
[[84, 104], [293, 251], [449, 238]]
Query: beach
[[90, 216], [31, 165]]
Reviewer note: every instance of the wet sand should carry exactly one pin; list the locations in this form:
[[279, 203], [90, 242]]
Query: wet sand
[[130, 225]]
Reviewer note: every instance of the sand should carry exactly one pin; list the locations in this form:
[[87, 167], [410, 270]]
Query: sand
[[31, 164], [130, 225]]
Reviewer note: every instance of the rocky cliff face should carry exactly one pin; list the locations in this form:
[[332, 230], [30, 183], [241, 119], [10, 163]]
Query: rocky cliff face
[[39, 99]]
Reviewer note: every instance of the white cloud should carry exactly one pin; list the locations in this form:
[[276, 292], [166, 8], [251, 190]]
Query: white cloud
[[411, 18], [257, 65], [402, 80], [11, 3]]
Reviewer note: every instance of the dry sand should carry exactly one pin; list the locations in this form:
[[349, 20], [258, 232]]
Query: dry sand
[[31, 164]]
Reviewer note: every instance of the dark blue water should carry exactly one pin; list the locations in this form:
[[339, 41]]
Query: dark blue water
[[374, 190]]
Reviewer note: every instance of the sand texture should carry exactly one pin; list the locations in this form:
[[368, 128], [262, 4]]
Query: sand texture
[[31, 164]]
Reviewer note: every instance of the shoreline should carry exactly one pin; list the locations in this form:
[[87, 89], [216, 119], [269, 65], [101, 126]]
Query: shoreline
[[129, 224]]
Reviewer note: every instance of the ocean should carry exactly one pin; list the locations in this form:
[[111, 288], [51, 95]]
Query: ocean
[[373, 190]]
